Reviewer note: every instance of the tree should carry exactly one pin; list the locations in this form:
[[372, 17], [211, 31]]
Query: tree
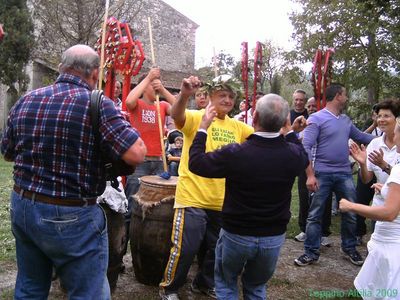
[[16, 45], [61, 23], [272, 65], [364, 33], [276, 84]]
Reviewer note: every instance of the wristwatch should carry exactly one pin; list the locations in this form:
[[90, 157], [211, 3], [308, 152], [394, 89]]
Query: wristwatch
[[387, 169]]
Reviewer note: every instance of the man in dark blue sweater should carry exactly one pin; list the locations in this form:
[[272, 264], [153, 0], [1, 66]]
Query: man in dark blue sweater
[[259, 177]]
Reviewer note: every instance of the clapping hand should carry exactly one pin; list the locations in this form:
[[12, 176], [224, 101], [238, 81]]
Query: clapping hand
[[358, 153], [299, 124], [377, 187], [209, 115], [376, 157]]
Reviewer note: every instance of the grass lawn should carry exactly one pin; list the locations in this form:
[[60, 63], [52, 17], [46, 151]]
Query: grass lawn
[[7, 244]]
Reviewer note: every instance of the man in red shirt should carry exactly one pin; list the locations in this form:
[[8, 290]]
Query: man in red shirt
[[143, 116]]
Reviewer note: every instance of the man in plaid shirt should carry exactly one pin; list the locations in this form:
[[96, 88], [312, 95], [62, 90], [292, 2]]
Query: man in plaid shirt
[[58, 176]]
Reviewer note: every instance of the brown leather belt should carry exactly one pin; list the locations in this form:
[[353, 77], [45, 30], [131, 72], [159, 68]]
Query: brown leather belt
[[153, 158], [56, 201]]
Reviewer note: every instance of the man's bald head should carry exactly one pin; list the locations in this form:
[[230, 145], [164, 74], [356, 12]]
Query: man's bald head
[[311, 106], [79, 60]]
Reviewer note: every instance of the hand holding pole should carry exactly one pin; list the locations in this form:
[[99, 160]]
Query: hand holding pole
[[160, 125]]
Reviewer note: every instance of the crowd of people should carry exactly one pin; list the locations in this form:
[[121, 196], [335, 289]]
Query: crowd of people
[[233, 196]]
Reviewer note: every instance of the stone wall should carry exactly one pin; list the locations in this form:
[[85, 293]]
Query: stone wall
[[173, 36]]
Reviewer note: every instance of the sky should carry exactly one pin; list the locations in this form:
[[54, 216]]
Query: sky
[[225, 24]]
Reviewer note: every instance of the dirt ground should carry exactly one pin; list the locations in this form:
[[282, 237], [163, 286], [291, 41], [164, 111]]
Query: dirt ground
[[331, 278]]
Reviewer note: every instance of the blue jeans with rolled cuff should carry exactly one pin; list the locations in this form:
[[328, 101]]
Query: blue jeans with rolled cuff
[[253, 257], [72, 239]]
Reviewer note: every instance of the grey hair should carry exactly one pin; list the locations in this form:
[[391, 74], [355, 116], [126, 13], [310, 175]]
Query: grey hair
[[81, 59], [272, 112]]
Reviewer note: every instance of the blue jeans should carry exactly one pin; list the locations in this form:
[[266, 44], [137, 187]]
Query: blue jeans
[[256, 256], [173, 168], [343, 186], [72, 239]]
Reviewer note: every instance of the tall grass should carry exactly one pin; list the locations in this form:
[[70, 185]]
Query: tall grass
[[7, 244]]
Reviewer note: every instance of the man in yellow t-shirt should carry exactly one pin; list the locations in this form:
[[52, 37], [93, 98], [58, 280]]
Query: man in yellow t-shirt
[[198, 200]]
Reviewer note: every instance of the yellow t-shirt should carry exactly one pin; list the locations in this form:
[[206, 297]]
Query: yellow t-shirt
[[197, 191]]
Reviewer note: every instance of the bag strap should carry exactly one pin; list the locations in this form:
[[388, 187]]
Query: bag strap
[[95, 101]]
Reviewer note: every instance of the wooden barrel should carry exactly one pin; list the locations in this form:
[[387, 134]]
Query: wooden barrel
[[150, 229], [116, 242]]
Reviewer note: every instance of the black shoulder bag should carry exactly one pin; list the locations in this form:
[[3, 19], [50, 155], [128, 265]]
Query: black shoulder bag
[[112, 168]]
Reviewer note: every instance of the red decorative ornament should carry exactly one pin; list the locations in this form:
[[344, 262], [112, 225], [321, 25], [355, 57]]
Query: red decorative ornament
[[321, 75], [245, 76], [1, 32], [257, 70], [123, 54]]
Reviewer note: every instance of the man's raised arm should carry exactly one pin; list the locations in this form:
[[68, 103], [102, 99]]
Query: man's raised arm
[[188, 88]]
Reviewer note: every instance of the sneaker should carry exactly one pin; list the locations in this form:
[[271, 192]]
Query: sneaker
[[326, 242], [354, 257], [205, 291], [305, 260], [301, 237], [359, 240], [171, 296]]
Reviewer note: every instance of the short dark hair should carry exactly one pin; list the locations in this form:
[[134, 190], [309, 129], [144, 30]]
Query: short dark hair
[[300, 91], [332, 90], [391, 104]]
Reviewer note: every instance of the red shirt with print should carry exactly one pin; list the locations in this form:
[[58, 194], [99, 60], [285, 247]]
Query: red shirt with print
[[144, 118]]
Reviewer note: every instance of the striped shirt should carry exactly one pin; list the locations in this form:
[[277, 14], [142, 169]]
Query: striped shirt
[[50, 138]]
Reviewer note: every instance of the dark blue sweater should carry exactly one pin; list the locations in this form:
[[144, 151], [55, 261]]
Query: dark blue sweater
[[259, 178]]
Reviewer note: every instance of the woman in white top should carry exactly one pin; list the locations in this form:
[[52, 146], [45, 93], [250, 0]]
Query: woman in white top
[[379, 277], [381, 152]]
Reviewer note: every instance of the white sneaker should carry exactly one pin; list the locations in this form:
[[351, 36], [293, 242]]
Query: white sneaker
[[301, 237], [164, 296], [326, 242]]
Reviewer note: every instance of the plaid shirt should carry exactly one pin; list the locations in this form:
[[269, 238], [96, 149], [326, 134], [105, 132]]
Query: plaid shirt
[[50, 138]]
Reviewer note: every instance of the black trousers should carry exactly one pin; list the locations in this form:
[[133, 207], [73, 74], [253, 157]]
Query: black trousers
[[364, 195], [193, 230], [304, 206]]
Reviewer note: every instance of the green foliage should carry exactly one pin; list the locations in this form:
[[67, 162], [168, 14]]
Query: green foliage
[[7, 244], [359, 109], [276, 84], [364, 34], [205, 73], [17, 44], [219, 84]]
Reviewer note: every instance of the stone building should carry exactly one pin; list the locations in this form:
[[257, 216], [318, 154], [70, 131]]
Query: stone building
[[173, 40]]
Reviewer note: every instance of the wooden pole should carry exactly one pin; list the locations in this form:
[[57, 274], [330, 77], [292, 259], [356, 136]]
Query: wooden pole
[[103, 42], [160, 125], [215, 63]]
